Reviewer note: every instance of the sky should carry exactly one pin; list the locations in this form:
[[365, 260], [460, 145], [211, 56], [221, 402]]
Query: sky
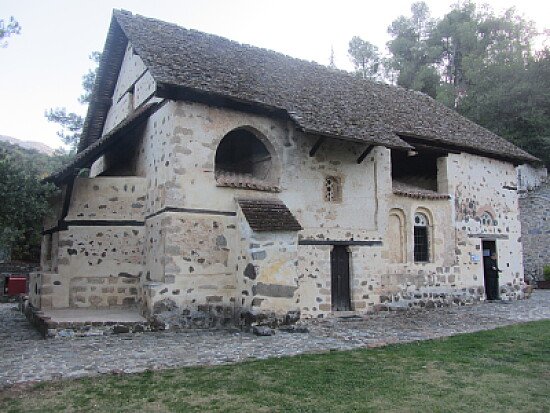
[[42, 67]]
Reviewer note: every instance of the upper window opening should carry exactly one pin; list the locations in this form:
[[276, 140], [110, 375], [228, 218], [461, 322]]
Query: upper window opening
[[120, 162], [333, 189], [243, 160], [414, 170], [421, 239]]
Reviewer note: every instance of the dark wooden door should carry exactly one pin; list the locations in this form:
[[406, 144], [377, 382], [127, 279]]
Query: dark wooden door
[[489, 247], [340, 290]]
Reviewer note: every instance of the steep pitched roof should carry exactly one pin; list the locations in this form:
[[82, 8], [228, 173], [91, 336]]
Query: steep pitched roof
[[86, 157], [318, 99]]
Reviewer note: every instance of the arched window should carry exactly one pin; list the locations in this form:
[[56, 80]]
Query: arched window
[[243, 160], [487, 219], [421, 238], [333, 189]]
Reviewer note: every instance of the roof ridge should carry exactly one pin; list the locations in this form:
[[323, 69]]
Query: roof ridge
[[318, 99]]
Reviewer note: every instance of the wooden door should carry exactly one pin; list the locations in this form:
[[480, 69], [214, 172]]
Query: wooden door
[[340, 282]]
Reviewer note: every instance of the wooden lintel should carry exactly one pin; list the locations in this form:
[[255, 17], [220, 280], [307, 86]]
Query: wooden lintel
[[365, 153], [370, 243], [316, 146]]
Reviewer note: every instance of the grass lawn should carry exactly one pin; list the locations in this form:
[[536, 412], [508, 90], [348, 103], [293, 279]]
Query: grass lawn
[[503, 370]]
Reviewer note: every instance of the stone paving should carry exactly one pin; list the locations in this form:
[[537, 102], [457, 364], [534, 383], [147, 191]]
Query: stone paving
[[25, 356]]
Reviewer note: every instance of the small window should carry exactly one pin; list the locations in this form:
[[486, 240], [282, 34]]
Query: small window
[[414, 170], [421, 239], [487, 219], [333, 189], [121, 161]]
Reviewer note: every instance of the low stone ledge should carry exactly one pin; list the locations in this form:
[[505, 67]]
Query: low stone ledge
[[66, 329]]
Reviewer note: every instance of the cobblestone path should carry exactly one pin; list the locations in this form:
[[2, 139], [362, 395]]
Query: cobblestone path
[[25, 356]]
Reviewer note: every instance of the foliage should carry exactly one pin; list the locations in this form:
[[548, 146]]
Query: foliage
[[513, 100], [71, 123], [365, 57], [546, 272], [7, 29], [332, 63], [35, 161], [413, 57], [480, 64], [88, 80], [464, 373], [22, 208]]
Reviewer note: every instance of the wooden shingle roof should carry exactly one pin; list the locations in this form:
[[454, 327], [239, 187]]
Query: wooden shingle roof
[[319, 100], [86, 157], [268, 215]]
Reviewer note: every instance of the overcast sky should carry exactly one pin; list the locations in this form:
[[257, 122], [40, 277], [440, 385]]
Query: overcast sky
[[42, 67]]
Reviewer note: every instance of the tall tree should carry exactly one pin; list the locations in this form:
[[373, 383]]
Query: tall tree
[[470, 39], [332, 63], [71, 123], [413, 57], [7, 29], [513, 100], [365, 57], [23, 206], [480, 64]]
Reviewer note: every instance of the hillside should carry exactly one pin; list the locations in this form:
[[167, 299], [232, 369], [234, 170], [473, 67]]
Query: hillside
[[34, 159], [38, 146]]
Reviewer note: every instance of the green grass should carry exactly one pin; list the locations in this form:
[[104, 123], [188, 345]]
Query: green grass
[[502, 370]]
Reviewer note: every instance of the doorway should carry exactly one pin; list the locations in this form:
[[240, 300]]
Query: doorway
[[488, 247], [340, 282]]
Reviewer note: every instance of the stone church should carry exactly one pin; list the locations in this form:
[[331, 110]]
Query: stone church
[[219, 183]]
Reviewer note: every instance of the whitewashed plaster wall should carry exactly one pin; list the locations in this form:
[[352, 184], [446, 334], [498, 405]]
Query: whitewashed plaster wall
[[483, 185], [108, 198], [198, 132], [135, 85], [180, 165], [96, 266], [188, 257], [190, 183]]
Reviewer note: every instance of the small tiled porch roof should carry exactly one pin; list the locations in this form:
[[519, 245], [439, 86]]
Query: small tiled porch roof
[[268, 215]]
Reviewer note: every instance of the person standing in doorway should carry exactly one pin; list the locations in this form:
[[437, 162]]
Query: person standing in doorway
[[491, 277]]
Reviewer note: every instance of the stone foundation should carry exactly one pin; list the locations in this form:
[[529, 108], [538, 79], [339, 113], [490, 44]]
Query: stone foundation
[[205, 316], [405, 300], [52, 329], [103, 292]]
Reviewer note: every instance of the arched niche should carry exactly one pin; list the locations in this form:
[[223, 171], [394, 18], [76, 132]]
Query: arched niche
[[245, 158], [397, 238]]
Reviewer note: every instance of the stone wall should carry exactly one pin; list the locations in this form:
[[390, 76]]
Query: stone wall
[[197, 286], [92, 262], [535, 220], [483, 187], [134, 86], [189, 258], [267, 274]]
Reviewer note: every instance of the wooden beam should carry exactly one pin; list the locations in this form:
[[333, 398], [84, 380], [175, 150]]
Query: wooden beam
[[365, 153], [316, 146], [370, 243], [68, 194]]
